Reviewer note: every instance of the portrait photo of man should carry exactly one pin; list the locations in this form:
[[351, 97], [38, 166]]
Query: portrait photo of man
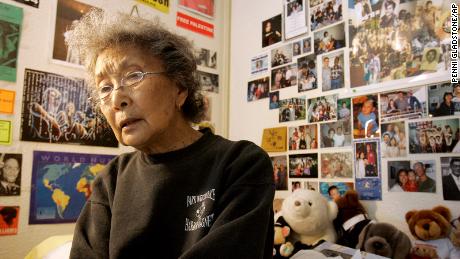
[[10, 177], [430, 59], [451, 178]]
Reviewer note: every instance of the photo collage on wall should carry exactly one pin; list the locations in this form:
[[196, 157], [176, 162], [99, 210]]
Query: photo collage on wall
[[345, 140]]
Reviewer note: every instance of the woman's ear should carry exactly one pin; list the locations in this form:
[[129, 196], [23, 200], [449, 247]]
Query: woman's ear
[[182, 94]]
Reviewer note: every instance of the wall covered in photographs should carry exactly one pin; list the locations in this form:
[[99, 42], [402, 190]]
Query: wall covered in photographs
[[373, 79]]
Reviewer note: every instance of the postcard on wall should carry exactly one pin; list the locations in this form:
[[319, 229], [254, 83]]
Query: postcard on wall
[[208, 81], [323, 108], [325, 188], [369, 188], [325, 14], [61, 184], [193, 24], [393, 139], [335, 134], [206, 58], [303, 166], [450, 169], [33, 3], [412, 176], [407, 103], [9, 220], [259, 64], [434, 136], [280, 172], [444, 99], [367, 158], [10, 178], [271, 31], [295, 18], [56, 109], [201, 7], [10, 27], [5, 132], [274, 139], [258, 89], [410, 54], [366, 117], [292, 109], [68, 12], [160, 5], [337, 165], [7, 101]]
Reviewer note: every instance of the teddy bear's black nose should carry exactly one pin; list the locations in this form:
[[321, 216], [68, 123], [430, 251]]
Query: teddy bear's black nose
[[377, 245], [426, 226], [297, 203]]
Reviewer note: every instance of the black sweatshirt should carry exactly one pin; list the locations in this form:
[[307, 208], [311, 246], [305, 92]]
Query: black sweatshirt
[[212, 199]]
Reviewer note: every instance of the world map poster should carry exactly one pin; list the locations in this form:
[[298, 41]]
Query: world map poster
[[61, 184]]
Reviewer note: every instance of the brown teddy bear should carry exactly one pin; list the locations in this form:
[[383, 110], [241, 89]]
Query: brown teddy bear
[[431, 228]]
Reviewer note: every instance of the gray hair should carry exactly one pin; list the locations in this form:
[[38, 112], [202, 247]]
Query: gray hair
[[99, 30]]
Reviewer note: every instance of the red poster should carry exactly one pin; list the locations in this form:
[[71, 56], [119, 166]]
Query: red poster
[[194, 24]]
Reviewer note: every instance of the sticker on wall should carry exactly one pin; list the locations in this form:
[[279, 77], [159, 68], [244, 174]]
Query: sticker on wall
[[160, 5], [295, 18], [9, 220], [33, 3], [56, 109], [274, 139], [5, 132], [201, 7], [10, 30], [7, 101], [61, 184], [193, 24], [10, 179]]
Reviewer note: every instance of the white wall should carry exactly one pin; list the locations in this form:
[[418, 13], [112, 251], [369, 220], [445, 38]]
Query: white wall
[[34, 53], [248, 119]]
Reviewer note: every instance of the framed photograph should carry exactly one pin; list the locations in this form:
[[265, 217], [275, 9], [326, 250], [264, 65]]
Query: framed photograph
[[61, 184], [323, 108], [344, 109], [367, 158], [271, 31], [306, 45], [332, 72], [67, 13], [329, 39], [258, 89], [450, 171], [295, 18], [325, 14], [393, 140], [274, 100], [56, 109], [303, 137], [365, 117], [303, 166], [308, 77], [280, 172], [412, 176], [208, 81], [434, 136], [259, 64], [10, 177], [408, 103], [9, 216], [335, 134], [206, 58], [334, 190], [292, 109], [369, 188], [283, 77], [202, 7], [281, 55], [444, 99], [337, 165]]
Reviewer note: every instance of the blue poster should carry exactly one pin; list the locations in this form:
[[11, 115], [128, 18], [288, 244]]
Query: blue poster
[[369, 188], [61, 184]]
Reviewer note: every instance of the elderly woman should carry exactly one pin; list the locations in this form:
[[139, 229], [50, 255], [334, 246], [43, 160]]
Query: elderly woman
[[182, 193]]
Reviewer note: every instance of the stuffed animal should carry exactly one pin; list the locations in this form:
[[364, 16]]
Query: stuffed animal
[[310, 216], [351, 219], [431, 228], [384, 239], [282, 249], [455, 233]]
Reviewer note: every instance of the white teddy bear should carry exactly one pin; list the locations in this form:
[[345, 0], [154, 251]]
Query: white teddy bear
[[310, 216]]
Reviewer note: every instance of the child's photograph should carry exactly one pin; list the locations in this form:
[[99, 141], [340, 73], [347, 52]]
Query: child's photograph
[[412, 176], [306, 45], [282, 55], [308, 79], [335, 134], [344, 109], [292, 109], [303, 166], [337, 165], [434, 136], [322, 108], [366, 158], [274, 100], [409, 103], [332, 72], [303, 137], [393, 140], [271, 31], [258, 89], [365, 117], [283, 77], [280, 172], [296, 48], [334, 190]]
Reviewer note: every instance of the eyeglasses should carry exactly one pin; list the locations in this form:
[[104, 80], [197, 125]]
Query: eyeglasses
[[130, 80]]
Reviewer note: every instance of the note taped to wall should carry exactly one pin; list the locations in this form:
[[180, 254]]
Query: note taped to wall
[[7, 101]]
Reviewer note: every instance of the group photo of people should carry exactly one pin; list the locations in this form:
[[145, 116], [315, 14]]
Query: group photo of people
[[412, 176], [282, 55], [450, 171], [444, 99], [393, 40], [333, 71], [205, 57], [393, 140], [327, 13], [308, 79], [329, 39], [365, 117], [208, 81], [409, 103], [335, 134], [258, 89], [292, 109], [283, 77], [434, 136], [337, 165], [307, 185], [279, 164], [303, 137], [303, 166], [322, 108], [366, 160]]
